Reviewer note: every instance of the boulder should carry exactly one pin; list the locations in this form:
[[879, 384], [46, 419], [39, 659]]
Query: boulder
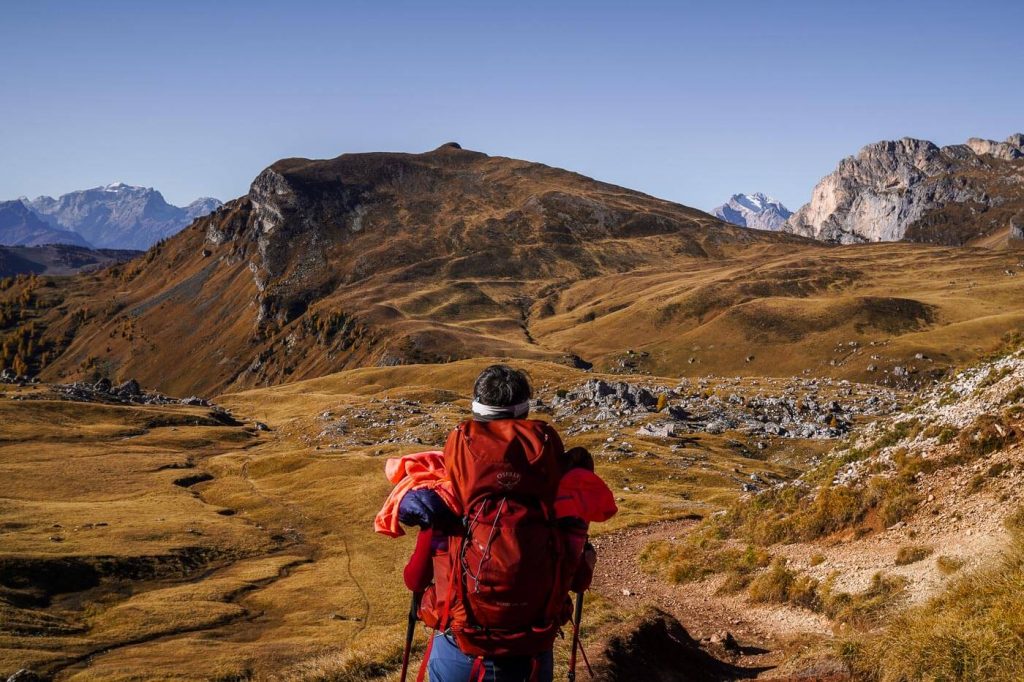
[[129, 389], [24, 675]]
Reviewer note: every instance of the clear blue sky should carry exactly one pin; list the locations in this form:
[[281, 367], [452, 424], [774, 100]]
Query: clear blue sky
[[691, 101]]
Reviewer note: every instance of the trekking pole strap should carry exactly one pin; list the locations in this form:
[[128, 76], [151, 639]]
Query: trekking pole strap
[[479, 670], [422, 674]]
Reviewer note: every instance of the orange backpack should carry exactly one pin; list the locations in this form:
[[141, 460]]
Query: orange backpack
[[502, 588]]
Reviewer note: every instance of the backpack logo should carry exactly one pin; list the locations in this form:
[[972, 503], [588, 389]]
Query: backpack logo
[[509, 479]]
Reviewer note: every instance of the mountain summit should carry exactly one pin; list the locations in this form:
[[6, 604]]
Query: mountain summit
[[753, 210], [118, 215]]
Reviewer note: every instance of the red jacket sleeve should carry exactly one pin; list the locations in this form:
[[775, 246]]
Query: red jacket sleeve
[[419, 572]]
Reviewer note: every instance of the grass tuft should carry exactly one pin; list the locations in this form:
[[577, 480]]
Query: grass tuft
[[948, 565], [350, 665], [911, 554]]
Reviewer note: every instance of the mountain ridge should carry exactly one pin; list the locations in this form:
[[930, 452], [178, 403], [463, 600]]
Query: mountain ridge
[[117, 215], [58, 259], [377, 259], [387, 259]]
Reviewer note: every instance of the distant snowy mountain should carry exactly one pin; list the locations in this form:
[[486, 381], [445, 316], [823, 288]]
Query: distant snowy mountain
[[753, 210], [20, 226], [119, 216]]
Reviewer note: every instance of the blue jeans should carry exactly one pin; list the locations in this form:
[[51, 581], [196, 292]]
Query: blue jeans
[[449, 664]]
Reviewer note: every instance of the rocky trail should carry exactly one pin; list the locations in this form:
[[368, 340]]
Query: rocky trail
[[752, 638]]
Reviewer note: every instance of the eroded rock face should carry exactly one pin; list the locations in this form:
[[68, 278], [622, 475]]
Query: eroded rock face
[[888, 187]]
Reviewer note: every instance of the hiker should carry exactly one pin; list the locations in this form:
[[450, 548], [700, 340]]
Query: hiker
[[503, 514]]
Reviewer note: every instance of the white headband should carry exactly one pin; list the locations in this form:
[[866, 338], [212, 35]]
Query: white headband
[[509, 411]]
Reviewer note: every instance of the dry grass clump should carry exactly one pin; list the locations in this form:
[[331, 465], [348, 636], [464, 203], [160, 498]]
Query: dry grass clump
[[973, 631], [793, 515], [990, 433], [911, 554], [946, 435], [349, 665], [701, 556], [782, 585], [863, 610], [771, 581], [948, 565]]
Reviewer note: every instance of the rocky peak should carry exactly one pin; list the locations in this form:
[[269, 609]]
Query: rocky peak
[[202, 206], [889, 187], [1012, 148]]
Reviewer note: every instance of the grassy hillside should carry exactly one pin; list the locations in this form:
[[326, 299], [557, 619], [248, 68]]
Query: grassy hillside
[[250, 553]]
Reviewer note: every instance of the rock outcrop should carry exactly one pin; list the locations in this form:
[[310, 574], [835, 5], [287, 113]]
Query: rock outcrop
[[912, 189], [756, 211]]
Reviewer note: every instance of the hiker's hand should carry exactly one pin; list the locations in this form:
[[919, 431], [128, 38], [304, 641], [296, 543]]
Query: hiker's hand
[[424, 508], [585, 572]]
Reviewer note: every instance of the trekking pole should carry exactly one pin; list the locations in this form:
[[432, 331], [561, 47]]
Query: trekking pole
[[410, 632], [576, 619]]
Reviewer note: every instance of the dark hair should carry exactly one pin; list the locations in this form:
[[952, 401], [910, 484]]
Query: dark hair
[[502, 386]]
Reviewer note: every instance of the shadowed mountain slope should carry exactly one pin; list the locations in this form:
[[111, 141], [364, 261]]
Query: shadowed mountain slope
[[58, 259], [20, 226]]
